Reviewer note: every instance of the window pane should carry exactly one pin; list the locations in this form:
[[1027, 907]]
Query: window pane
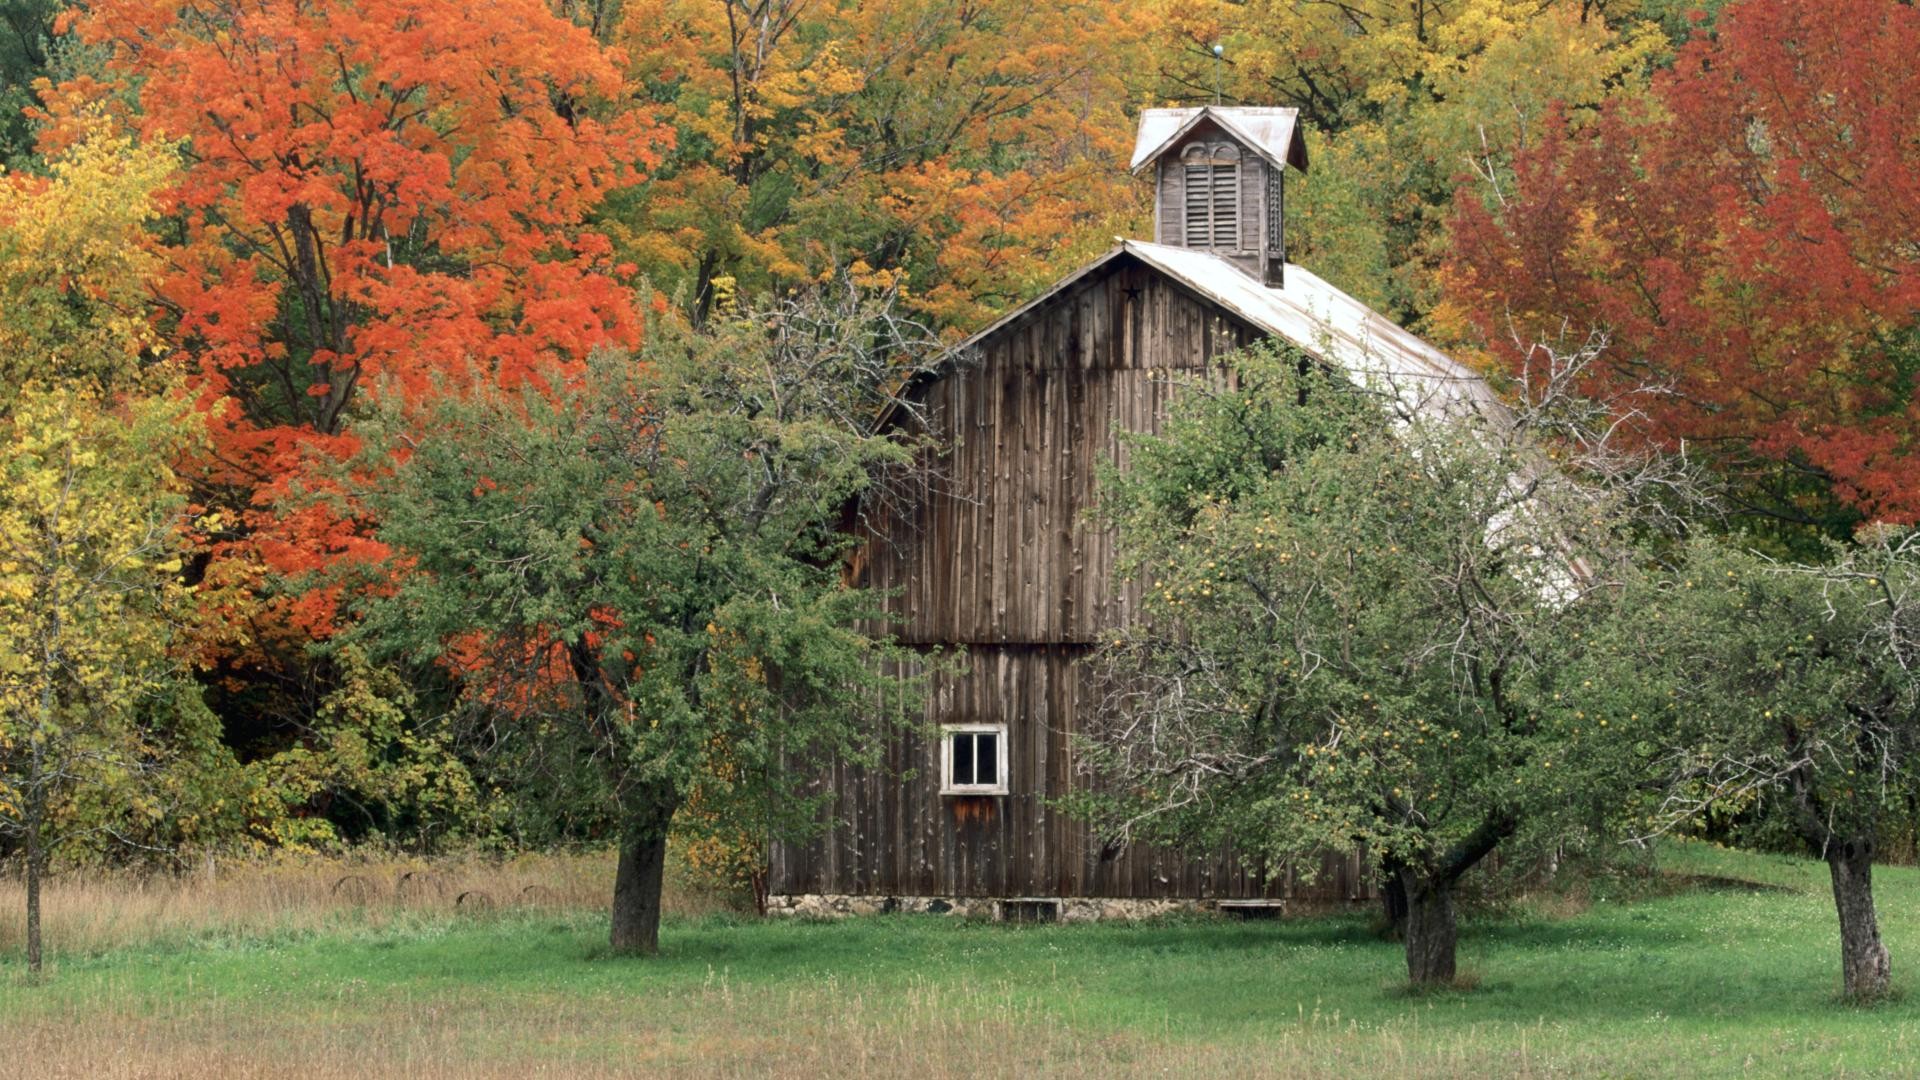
[[987, 757], [962, 760]]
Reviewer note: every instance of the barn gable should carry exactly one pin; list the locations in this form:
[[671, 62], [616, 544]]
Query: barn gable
[[1272, 133], [1307, 312], [998, 548]]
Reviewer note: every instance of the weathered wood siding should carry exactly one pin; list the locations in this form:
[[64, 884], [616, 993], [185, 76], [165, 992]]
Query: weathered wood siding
[[996, 555], [1253, 197], [1169, 201], [998, 549], [901, 837]]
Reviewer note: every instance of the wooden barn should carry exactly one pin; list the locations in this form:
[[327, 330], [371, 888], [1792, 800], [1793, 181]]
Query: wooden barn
[[998, 557]]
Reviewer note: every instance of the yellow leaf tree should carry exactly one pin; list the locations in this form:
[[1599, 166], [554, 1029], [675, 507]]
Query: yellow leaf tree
[[1406, 96], [90, 507]]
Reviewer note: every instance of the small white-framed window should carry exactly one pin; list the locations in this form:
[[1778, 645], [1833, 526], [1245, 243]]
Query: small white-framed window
[[973, 759]]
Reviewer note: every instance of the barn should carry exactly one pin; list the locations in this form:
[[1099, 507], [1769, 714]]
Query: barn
[[997, 556]]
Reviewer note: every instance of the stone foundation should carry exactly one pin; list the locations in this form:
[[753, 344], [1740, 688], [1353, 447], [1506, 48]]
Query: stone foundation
[[1067, 908]]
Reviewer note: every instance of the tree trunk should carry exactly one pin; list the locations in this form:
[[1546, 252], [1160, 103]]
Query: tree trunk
[[1865, 969], [1431, 929], [36, 865], [1393, 903], [703, 287], [762, 878], [636, 885]]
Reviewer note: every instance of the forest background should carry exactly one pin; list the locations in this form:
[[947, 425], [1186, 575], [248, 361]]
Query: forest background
[[228, 230]]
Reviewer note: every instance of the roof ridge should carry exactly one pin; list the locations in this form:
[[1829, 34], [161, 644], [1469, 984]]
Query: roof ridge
[[1276, 137]]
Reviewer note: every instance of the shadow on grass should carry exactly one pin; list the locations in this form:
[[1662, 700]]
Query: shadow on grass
[[1681, 882]]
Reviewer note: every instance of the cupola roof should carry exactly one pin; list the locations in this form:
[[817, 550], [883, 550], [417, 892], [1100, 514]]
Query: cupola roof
[[1272, 133]]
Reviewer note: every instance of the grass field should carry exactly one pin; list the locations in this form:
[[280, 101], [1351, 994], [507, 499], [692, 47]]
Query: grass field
[[1715, 980]]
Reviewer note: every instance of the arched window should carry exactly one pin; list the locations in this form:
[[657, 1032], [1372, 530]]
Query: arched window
[[1212, 196]]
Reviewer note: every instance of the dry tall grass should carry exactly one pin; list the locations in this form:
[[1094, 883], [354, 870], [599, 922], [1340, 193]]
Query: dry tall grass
[[931, 1031], [91, 911]]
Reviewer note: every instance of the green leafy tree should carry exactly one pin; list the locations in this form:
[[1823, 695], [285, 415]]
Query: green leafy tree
[[1354, 600], [1792, 689], [367, 766], [26, 54], [635, 578]]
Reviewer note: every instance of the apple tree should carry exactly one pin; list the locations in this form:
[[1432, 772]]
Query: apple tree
[[1790, 690], [633, 579], [1356, 598]]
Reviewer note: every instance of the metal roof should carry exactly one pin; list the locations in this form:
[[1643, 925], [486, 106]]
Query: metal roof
[[1372, 349], [1271, 133]]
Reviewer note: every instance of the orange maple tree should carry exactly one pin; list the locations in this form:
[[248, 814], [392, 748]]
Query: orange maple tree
[[389, 194], [1746, 238]]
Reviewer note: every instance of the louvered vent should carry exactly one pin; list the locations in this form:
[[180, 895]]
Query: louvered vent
[[1213, 204], [1276, 213], [1199, 205], [1226, 206]]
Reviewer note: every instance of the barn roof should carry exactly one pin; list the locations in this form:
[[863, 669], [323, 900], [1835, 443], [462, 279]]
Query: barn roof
[[1325, 322], [1271, 133], [1307, 311]]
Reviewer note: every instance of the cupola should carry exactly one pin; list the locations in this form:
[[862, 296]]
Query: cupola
[[1220, 181]]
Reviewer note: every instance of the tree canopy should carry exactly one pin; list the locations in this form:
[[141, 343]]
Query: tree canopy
[[1360, 603], [1739, 233], [379, 192], [1754, 686], [93, 514], [634, 578]]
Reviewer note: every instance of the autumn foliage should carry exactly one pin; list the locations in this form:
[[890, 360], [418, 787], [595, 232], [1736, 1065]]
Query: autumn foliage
[[963, 152], [377, 194], [1746, 237]]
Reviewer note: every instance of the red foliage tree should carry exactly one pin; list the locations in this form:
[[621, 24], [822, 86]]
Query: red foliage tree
[[378, 193], [1747, 238]]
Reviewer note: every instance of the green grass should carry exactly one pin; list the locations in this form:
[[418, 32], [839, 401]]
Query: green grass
[[1717, 981]]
